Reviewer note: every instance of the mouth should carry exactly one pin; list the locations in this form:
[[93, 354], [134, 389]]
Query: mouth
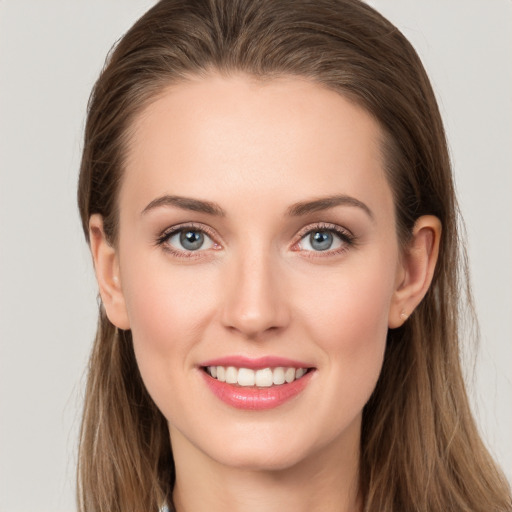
[[250, 378], [256, 384]]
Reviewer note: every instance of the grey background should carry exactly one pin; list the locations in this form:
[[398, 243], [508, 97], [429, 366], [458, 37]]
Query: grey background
[[50, 54]]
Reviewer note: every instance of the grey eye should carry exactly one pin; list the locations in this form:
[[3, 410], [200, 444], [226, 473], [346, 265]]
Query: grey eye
[[321, 240], [191, 240]]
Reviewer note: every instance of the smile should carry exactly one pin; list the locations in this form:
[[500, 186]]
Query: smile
[[256, 384], [263, 378]]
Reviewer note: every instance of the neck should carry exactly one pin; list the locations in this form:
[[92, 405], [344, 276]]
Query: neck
[[326, 481]]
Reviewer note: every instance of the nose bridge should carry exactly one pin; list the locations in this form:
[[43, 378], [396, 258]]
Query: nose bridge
[[254, 300]]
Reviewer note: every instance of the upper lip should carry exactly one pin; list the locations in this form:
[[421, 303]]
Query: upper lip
[[256, 363]]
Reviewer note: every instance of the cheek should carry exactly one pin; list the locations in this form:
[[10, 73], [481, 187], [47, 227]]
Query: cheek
[[168, 313], [163, 301], [347, 314], [353, 299]]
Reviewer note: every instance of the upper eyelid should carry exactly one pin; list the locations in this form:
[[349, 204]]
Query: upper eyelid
[[162, 240], [347, 238], [186, 225], [323, 226]]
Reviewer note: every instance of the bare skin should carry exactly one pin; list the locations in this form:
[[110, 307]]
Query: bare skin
[[256, 158]]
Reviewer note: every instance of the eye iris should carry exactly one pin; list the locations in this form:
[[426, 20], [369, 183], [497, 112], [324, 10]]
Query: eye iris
[[191, 240], [321, 240]]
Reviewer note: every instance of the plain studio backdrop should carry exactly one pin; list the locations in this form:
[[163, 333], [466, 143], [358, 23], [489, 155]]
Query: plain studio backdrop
[[50, 54]]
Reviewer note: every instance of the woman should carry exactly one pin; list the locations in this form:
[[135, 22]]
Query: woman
[[267, 194]]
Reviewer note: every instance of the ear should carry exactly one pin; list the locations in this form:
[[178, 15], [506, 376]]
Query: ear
[[106, 266], [416, 269]]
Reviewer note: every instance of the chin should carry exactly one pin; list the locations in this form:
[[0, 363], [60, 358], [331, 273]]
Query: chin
[[265, 451], [260, 460]]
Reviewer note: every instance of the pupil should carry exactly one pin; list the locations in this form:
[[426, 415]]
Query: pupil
[[191, 240], [321, 240]]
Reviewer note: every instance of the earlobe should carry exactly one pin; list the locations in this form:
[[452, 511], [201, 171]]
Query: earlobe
[[416, 269], [106, 267]]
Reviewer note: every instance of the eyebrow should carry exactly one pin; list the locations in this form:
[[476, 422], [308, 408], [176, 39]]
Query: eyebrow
[[324, 203], [186, 203], [295, 210]]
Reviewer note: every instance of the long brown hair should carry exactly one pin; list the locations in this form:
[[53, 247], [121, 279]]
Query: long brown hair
[[420, 449]]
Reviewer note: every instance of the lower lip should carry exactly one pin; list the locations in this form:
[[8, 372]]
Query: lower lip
[[256, 399]]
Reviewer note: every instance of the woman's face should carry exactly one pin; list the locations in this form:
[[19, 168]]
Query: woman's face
[[257, 232]]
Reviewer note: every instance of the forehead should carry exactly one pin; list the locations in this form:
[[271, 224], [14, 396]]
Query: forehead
[[285, 137]]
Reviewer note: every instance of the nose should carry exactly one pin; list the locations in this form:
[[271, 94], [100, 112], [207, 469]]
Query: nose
[[254, 302]]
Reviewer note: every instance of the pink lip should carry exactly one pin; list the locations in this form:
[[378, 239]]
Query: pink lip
[[256, 363], [253, 398]]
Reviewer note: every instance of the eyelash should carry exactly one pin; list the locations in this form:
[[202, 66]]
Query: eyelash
[[347, 238], [168, 233]]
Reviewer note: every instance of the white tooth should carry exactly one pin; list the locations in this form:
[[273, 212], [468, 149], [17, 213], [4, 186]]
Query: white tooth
[[289, 375], [278, 375], [264, 378], [246, 377], [213, 371], [299, 372], [221, 373], [231, 375]]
